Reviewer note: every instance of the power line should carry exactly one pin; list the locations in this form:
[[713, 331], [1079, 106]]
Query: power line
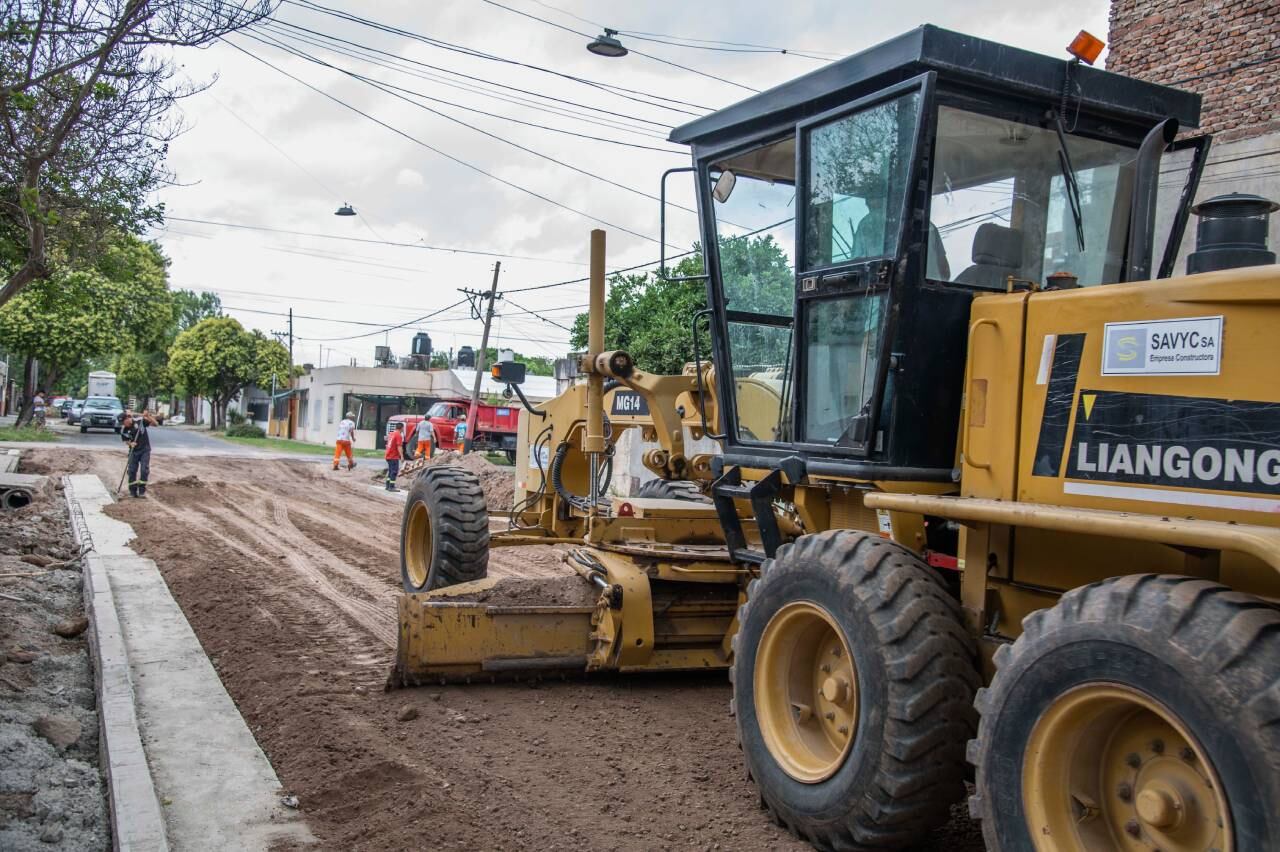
[[814, 54], [273, 24], [418, 245], [507, 118], [618, 91], [387, 88], [633, 50], [539, 316], [649, 263], [436, 150], [384, 330]]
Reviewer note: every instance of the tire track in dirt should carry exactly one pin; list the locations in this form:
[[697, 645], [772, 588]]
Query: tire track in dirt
[[375, 617], [296, 606]]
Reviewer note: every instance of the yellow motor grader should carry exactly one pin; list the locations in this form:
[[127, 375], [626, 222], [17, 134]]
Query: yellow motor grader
[[997, 486]]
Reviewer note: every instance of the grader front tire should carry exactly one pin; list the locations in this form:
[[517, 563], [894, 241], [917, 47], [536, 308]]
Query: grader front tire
[[1138, 713], [444, 535], [852, 682]]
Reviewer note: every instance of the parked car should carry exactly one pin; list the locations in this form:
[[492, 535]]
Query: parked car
[[58, 404], [72, 411], [101, 412], [178, 420]]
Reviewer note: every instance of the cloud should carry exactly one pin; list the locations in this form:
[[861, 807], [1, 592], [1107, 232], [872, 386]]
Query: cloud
[[266, 150]]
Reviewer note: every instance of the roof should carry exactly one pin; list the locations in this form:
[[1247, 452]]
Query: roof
[[957, 58], [536, 388]]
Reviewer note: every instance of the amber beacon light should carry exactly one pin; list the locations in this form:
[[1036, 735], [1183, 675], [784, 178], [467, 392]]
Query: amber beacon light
[[1086, 47]]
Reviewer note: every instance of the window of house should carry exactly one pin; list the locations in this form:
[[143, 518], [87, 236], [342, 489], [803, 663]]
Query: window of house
[[330, 409]]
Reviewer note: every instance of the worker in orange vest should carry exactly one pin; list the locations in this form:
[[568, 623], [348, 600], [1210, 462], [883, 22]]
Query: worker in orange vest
[[346, 437], [424, 433], [395, 450]]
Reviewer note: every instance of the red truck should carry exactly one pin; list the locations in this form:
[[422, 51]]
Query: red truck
[[495, 427]]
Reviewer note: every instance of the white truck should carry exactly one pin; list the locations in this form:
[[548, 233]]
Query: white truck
[[102, 383]]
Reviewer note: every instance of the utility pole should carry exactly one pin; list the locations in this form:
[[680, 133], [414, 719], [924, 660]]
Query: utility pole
[[484, 344], [290, 429]]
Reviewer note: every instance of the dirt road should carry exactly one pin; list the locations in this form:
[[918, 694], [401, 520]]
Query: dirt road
[[288, 572]]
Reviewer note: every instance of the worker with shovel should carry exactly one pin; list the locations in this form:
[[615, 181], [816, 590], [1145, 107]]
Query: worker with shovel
[[133, 431]]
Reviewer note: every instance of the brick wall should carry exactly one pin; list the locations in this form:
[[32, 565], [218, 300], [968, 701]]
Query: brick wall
[[1170, 41]]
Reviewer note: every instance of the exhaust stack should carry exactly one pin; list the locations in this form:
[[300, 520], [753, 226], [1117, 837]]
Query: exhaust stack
[[1231, 233]]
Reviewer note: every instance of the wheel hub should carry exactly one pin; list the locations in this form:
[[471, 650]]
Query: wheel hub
[[1109, 767], [417, 546], [806, 692]]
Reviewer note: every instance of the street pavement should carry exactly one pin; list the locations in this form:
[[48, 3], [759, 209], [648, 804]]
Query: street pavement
[[165, 440]]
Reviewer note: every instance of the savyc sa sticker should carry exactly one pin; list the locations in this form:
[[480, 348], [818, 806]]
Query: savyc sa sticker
[[1175, 347]]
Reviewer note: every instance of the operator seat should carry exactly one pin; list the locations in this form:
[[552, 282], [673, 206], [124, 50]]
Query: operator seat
[[997, 254]]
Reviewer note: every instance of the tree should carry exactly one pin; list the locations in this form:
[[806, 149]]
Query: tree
[[535, 365], [190, 307], [85, 102], [651, 317], [144, 374], [217, 358], [78, 314]]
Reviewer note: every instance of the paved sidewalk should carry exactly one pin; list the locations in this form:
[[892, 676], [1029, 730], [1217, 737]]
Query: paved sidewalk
[[217, 788]]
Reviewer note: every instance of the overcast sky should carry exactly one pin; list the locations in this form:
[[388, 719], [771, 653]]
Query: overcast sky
[[263, 150]]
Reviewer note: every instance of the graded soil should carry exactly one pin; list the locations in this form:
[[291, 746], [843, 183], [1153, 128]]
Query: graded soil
[[289, 573]]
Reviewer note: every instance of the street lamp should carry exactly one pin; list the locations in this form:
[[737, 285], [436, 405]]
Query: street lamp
[[345, 210], [607, 45]]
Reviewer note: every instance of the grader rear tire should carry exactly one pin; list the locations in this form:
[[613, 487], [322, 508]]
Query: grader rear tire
[[1141, 712], [444, 536], [852, 682]]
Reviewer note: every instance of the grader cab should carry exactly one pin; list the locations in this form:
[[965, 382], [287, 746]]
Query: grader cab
[[996, 486]]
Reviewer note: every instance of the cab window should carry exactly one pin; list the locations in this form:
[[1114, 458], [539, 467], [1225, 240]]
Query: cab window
[[1000, 206], [755, 242]]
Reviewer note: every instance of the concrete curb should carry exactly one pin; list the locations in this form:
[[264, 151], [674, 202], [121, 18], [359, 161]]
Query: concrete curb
[[136, 820], [189, 748], [9, 461]]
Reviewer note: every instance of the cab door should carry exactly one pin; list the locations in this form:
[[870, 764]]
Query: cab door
[[857, 166]]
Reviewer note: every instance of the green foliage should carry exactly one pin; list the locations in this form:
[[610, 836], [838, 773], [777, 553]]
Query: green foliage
[[79, 313], [144, 374], [190, 307], [234, 418], [27, 433], [245, 430], [217, 358], [535, 365], [652, 317], [271, 362]]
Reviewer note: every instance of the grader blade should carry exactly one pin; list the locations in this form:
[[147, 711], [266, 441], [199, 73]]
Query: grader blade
[[452, 641], [638, 623]]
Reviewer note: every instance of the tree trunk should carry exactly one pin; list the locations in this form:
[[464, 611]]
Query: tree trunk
[[28, 392]]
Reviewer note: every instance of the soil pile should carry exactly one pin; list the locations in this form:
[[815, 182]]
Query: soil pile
[[542, 591], [51, 792], [498, 482]]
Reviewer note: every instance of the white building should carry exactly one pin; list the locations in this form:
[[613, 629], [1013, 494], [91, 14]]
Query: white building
[[375, 394]]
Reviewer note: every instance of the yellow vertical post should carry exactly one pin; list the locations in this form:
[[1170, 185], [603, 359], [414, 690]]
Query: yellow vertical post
[[594, 440]]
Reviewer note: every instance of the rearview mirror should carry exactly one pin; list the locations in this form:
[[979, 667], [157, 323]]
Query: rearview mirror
[[724, 186]]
